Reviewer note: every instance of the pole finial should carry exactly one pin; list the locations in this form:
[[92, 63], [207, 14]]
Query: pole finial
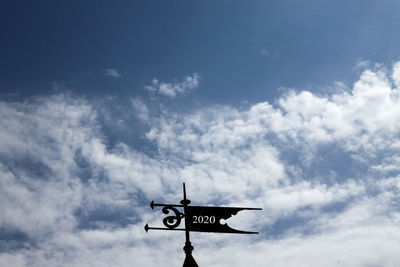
[[185, 201]]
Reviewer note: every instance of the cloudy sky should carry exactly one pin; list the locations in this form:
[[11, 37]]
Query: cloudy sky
[[290, 106]]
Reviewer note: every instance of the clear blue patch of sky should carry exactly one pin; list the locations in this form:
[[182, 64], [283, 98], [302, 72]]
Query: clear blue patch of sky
[[244, 50], [12, 240]]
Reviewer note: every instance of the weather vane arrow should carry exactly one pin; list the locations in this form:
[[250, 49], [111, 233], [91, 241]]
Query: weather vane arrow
[[197, 219]]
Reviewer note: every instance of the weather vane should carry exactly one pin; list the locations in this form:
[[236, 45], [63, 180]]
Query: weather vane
[[197, 219]]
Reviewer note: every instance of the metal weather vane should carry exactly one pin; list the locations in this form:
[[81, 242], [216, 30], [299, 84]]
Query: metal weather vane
[[197, 219]]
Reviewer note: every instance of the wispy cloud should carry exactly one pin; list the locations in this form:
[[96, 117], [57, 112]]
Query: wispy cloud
[[265, 52], [58, 85], [362, 64], [323, 168], [141, 109], [172, 89], [268, 53], [113, 73]]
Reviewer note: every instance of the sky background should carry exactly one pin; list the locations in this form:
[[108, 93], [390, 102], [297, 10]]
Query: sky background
[[290, 106]]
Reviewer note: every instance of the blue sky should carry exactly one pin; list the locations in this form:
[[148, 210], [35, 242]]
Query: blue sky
[[257, 45], [291, 106]]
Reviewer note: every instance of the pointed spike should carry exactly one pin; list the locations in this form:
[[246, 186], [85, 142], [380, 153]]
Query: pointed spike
[[184, 201], [152, 204], [146, 227], [184, 191]]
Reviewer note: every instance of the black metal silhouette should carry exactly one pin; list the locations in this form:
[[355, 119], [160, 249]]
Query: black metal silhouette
[[197, 219]]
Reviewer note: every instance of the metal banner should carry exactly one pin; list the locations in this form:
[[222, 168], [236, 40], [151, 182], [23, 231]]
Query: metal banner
[[208, 219]]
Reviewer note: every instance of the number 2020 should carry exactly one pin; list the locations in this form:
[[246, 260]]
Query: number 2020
[[204, 219]]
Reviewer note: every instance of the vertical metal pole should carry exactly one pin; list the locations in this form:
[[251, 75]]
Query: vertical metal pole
[[186, 202], [188, 248]]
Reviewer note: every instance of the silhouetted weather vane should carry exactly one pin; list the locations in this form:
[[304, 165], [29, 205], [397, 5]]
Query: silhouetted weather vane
[[197, 219]]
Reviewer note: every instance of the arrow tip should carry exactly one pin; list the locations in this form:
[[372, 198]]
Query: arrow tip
[[152, 204], [146, 227]]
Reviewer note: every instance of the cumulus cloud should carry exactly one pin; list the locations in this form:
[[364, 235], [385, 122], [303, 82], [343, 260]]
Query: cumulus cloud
[[323, 168], [113, 73], [173, 89], [396, 74]]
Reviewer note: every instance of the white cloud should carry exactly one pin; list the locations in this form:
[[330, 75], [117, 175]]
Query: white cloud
[[114, 73], [141, 109], [362, 64], [323, 168], [41, 198], [172, 89], [396, 74]]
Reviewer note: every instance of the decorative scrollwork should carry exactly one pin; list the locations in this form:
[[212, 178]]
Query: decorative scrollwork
[[172, 221]]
